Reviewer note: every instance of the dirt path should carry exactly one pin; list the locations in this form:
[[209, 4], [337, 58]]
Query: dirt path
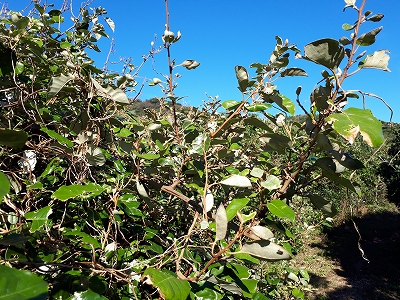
[[337, 268]]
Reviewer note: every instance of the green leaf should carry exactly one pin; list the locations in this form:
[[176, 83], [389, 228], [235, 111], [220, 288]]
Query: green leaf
[[287, 104], [254, 121], [169, 287], [235, 206], [282, 101], [58, 137], [230, 104], [86, 238], [348, 27], [66, 192], [339, 180], [353, 121], [57, 83], [377, 60], [293, 72], [257, 172], [242, 77], [147, 156], [346, 160], [130, 206], [19, 68], [375, 18], [368, 38], [298, 293], [325, 52], [13, 138], [320, 97], [221, 221], [86, 295], [65, 45], [39, 218], [4, 186], [14, 239], [344, 41], [251, 287], [281, 209], [258, 107], [275, 142], [325, 206], [237, 181], [20, 284], [265, 250], [37, 185], [271, 183]]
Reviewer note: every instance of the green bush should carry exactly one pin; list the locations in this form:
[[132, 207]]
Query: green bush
[[99, 202]]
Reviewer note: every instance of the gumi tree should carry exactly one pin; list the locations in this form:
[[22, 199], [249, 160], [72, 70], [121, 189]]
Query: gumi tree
[[97, 202]]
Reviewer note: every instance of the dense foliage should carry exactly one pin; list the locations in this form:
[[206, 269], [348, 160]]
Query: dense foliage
[[100, 202]]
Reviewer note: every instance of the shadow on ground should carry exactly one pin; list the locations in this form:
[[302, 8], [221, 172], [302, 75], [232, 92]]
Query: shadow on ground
[[380, 277]]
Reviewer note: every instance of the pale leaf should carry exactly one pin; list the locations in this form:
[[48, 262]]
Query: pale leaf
[[237, 180], [221, 221]]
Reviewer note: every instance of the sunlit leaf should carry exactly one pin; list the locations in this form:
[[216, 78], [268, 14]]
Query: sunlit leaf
[[66, 192], [147, 156], [258, 107], [267, 250], [221, 221], [257, 172], [130, 205], [377, 60], [271, 183], [281, 209], [39, 218], [209, 201], [169, 287], [58, 137], [353, 121], [348, 27], [4, 186], [236, 205], [262, 232], [110, 23], [115, 94], [230, 104], [237, 180], [86, 295], [190, 64]]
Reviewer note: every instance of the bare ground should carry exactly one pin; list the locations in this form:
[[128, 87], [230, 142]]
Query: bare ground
[[337, 268]]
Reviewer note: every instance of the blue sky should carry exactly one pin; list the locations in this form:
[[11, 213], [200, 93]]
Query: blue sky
[[223, 34]]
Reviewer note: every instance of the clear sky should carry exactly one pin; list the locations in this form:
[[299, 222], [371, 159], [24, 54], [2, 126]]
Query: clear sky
[[223, 34]]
